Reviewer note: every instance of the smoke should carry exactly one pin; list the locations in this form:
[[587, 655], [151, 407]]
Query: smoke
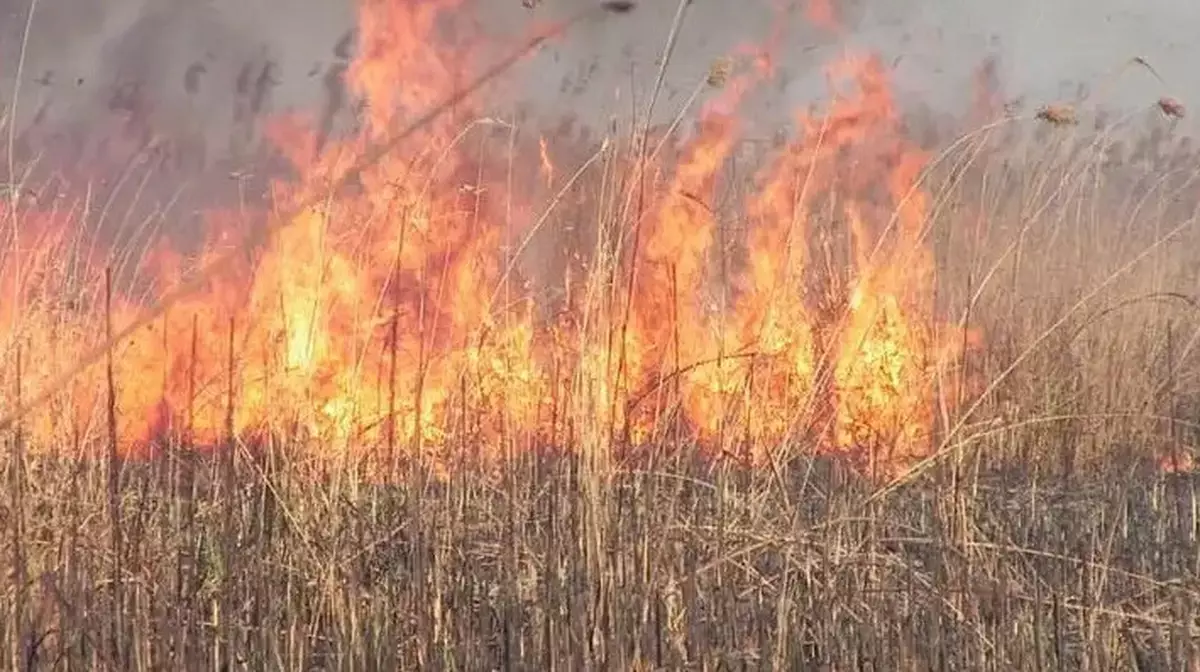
[[195, 74], [1043, 52], [103, 80]]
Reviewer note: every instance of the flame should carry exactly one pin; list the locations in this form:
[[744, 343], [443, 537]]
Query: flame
[[1176, 461], [547, 165], [390, 322], [823, 14]]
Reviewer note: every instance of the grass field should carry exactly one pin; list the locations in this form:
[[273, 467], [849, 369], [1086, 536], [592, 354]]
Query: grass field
[[666, 567], [849, 401]]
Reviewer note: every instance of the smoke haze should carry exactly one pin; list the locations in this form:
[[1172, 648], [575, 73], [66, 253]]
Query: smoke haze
[[202, 75]]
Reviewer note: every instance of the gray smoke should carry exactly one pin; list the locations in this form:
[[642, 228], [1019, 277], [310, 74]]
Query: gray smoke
[[202, 75]]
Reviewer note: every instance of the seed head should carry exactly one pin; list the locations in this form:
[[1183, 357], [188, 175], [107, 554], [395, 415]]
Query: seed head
[[1059, 114], [1171, 107], [618, 6], [718, 72]]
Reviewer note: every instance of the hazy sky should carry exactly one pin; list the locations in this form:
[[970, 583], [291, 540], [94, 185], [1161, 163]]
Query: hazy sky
[[185, 57]]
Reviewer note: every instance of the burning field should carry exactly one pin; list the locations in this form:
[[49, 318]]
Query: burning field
[[463, 392], [389, 317]]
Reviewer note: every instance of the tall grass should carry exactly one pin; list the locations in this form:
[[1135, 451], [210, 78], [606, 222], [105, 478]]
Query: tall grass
[[675, 565]]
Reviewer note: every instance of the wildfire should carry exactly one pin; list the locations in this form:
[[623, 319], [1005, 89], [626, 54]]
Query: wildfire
[[385, 323]]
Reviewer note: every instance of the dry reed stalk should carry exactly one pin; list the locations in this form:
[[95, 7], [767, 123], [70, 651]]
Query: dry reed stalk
[[643, 156], [23, 654], [393, 336], [224, 648], [116, 528]]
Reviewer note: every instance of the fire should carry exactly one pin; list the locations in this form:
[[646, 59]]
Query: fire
[[1177, 462], [547, 164], [385, 323], [823, 14]]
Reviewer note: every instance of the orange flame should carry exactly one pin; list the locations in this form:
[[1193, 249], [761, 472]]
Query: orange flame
[[387, 322], [547, 164], [823, 14]]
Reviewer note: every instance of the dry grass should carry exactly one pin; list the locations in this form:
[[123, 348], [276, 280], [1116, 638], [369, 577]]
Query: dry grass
[[671, 566]]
